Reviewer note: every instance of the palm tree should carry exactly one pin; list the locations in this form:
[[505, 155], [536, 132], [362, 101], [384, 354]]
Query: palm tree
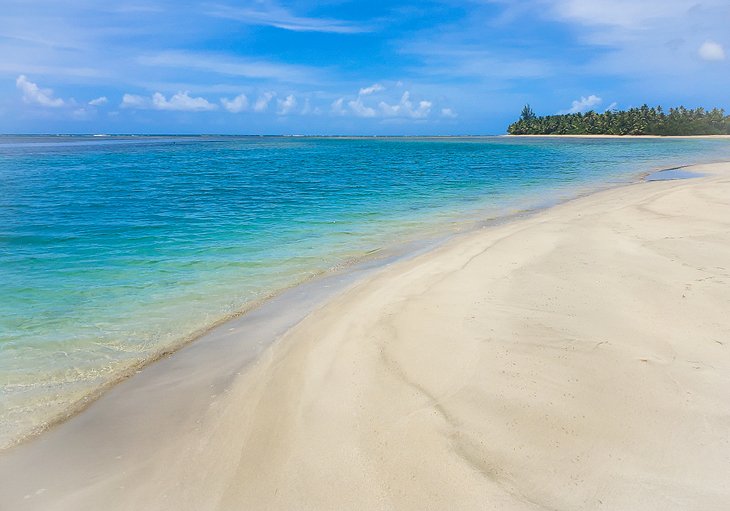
[[527, 113]]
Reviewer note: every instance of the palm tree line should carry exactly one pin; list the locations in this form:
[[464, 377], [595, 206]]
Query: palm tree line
[[644, 120]]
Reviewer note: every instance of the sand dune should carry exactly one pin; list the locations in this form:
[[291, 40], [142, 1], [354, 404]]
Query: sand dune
[[576, 359]]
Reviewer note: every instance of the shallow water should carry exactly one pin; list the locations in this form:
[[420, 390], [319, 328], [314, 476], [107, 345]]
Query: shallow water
[[114, 249], [672, 174]]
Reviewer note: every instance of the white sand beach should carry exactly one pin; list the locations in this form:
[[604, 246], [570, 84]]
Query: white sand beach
[[575, 359]]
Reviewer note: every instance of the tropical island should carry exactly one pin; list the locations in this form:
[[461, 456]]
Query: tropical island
[[644, 120]]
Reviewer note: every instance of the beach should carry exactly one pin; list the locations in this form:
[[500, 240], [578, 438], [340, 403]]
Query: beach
[[120, 250], [576, 358]]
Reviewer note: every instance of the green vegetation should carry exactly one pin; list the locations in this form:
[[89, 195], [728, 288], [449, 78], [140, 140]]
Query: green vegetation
[[635, 121]]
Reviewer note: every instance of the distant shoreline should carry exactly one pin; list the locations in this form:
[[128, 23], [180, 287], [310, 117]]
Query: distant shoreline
[[356, 137]]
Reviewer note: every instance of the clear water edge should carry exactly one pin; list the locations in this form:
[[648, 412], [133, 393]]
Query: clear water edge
[[419, 231]]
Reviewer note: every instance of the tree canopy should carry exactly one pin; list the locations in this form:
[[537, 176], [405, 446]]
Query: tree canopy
[[644, 120], [527, 114]]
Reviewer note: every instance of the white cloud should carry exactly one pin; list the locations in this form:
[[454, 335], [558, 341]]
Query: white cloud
[[103, 100], [360, 109], [404, 108], [366, 91], [267, 12], [337, 108], [35, 95], [235, 105], [262, 103], [133, 101], [711, 50], [623, 13], [611, 107], [448, 112], [286, 105], [582, 105], [182, 101], [656, 43]]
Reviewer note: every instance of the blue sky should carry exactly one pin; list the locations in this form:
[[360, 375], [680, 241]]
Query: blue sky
[[344, 67]]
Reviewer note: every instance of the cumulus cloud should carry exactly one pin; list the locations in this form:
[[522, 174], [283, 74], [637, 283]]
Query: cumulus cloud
[[103, 100], [359, 109], [405, 108], [366, 91], [286, 105], [235, 105], [262, 103], [711, 50], [35, 95], [582, 105], [182, 101], [448, 112], [133, 101]]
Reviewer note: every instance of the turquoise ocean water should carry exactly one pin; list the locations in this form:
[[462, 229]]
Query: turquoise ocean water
[[115, 248]]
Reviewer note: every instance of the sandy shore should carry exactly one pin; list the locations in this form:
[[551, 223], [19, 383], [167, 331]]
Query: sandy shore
[[576, 359]]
